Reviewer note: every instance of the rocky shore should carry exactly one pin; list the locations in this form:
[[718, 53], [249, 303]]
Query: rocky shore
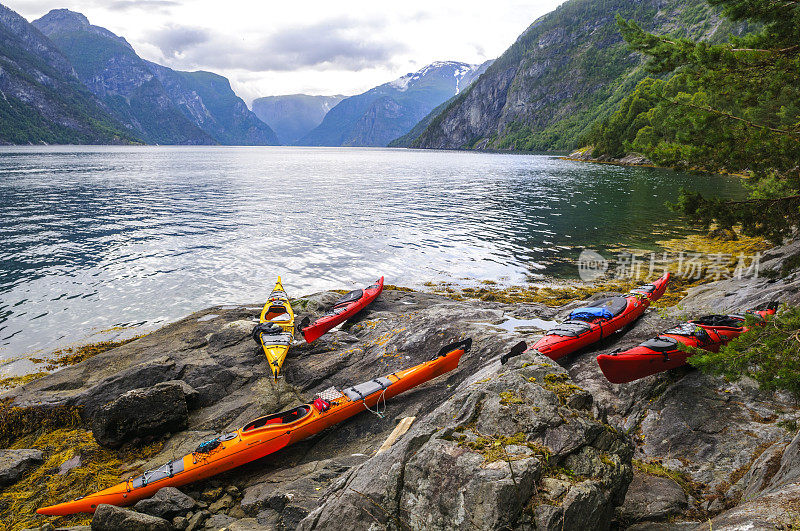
[[532, 444], [631, 159]]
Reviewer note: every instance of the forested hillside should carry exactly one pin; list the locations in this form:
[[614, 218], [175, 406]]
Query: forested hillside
[[570, 68], [41, 98], [727, 107]]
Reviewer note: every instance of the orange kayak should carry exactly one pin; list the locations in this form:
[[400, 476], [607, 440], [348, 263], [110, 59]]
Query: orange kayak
[[267, 434]]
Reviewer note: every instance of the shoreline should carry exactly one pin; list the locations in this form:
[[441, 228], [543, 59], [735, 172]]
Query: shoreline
[[221, 371], [551, 292], [637, 160]]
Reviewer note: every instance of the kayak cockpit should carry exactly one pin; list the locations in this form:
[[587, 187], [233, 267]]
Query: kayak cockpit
[[284, 417], [602, 310], [349, 297], [727, 321]]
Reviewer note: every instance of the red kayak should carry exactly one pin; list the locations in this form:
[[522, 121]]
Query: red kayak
[[590, 324], [663, 352], [342, 310]]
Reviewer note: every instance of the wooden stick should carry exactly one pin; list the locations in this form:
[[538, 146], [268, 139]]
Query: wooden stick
[[398, 432]]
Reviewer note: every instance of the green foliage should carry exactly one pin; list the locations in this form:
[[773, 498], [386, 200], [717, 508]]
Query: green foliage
[[132, 96], [59, 109], [732, 107], [90, 52], [768, 353], [566, 76]]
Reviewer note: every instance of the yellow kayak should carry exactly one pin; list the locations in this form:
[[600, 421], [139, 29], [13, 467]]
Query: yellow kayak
[[275, 330]]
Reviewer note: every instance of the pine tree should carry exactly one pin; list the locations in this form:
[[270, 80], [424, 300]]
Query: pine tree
[[732, 107]]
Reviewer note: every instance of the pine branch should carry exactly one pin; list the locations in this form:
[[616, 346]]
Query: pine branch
[[770, 201], [792, 134], [666, 40]]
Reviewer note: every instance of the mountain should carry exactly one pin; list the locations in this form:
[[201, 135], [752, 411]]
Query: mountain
[[110, 68], [294, 115], [42, 98], [209, 102], [388, 111], [567, 70], [158, 104]]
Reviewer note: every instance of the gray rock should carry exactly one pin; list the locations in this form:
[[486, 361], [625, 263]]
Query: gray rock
[[180, 523], [717, 436], [652, 498], [165, 503], [44, 527], [112, 518], [319, 482], [789, 467], [663, 526], [225, 502], [191, 394], [635, 159], [776, 510], [457, 449], [631, 159], [296, 491], [140, 413], [14, 464], [197, 519], [761, 473], [248, 524], [219, 521], [70, 464], [269, 518], [777, 281]]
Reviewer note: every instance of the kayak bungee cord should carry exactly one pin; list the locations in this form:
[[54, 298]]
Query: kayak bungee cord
[[268, 434]]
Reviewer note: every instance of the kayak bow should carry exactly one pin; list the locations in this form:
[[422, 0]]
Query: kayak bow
[[663, 352], [267, 434], [342, 310]]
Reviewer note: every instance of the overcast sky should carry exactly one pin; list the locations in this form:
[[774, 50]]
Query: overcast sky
[[306, 46]]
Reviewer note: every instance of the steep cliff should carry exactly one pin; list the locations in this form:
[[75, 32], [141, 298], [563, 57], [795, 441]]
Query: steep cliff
[[110, 68], [569, 68], [388, 111], [208, 101], [161, 105], [294, 115], [41, 98]]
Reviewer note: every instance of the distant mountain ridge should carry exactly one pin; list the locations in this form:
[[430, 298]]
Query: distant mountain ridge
[[209, 102], [156, 103], [41, 98], [569, 69], [378, 116], [292, 116]]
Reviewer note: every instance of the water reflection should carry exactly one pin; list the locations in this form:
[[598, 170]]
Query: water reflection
[[95, 237]]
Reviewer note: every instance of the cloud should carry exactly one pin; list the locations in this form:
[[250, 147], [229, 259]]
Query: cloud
[[125, 5], [341, 44], [174, 40]]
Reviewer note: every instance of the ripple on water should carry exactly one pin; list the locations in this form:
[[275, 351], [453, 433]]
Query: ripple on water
[[94, 237]]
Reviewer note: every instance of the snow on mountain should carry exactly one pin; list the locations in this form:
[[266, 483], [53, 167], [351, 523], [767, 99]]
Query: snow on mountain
[[455, 69]]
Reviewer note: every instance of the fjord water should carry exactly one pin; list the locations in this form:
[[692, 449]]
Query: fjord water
[[102, 237]]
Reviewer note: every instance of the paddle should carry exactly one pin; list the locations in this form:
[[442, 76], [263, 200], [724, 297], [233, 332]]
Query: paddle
[[304, 323], [516, 350], [464, 345]]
